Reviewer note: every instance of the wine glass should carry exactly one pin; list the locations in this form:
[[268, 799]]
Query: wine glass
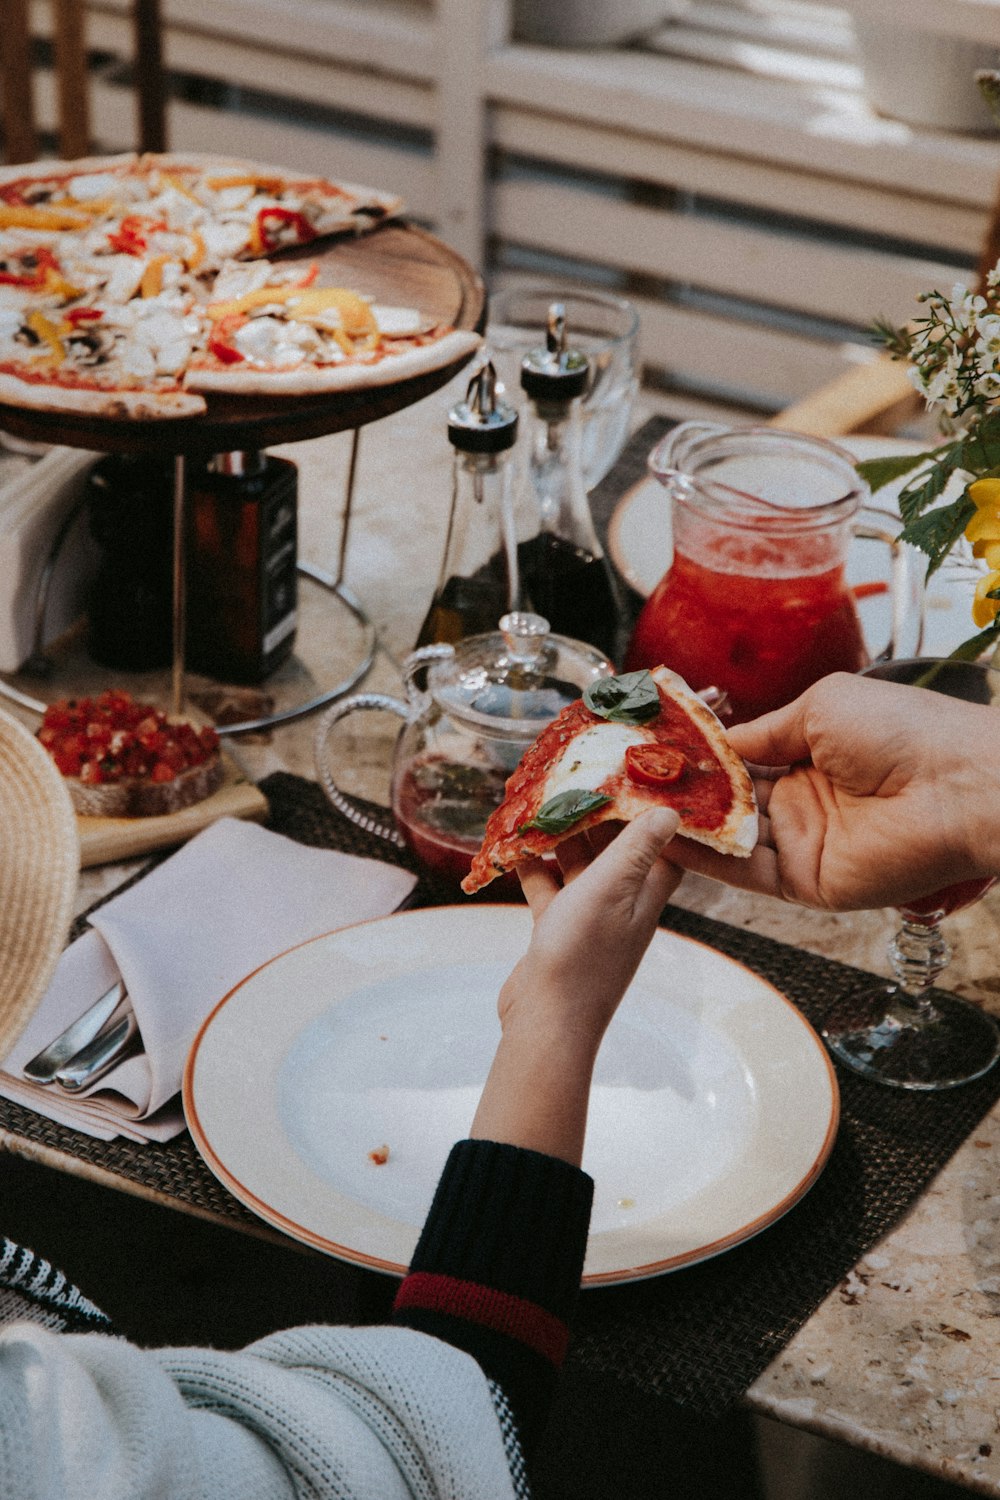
[[908, 1033], [600, 325]]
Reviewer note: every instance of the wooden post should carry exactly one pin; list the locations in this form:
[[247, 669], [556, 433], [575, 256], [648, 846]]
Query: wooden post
[[71, 78], [150, 82], [468, 31], [17, 114]]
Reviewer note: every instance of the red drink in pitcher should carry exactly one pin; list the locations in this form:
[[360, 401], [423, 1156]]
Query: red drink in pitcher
[[755, 602], [762, 640]]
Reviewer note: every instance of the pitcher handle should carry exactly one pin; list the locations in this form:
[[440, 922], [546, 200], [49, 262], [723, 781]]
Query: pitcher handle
[[343, 801], [906, 584]]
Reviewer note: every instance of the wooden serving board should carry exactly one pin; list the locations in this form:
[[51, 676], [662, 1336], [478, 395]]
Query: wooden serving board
[[105, 840]]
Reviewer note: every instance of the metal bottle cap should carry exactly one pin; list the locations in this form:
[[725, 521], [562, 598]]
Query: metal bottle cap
[[555, 373], [481, 423]]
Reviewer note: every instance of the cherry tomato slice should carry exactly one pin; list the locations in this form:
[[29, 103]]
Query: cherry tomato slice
[[654, 765]]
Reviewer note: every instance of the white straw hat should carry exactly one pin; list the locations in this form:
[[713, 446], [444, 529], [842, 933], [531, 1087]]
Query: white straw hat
[[39, 865]]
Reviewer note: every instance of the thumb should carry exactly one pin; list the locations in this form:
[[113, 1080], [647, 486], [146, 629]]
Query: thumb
[[635, 851], [775, 739]]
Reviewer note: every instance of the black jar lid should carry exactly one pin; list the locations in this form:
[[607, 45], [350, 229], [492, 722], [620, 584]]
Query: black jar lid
[[482, 423], [555, 373]]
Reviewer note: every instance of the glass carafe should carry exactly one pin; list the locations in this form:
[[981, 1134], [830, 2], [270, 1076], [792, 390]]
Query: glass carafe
[[756, 603], [470, 712]]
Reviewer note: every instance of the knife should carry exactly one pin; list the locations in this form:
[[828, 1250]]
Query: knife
[[44, 1066], [99, 1056]]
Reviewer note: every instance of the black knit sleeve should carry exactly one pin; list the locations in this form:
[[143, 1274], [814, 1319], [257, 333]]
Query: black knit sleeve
[[497, 1268]]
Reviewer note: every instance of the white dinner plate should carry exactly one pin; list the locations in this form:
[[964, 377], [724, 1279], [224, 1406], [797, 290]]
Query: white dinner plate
[[639, 542], [714, 1104]]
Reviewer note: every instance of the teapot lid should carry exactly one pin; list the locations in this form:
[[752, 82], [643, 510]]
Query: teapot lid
[[512, 681]]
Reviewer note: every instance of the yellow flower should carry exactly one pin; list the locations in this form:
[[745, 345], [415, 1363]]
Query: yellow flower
[[984, 611], [983, 531]]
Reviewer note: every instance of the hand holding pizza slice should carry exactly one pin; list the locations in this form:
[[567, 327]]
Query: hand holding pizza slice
[[641, 740]]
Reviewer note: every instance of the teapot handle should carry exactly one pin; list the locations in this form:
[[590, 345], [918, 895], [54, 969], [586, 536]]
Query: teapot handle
[[343, 801], [906, 583]]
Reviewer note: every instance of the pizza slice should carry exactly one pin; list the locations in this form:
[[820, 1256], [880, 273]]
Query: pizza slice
[[284, 335], [641, 740]]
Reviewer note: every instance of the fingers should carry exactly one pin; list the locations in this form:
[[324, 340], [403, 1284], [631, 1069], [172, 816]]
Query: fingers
[[540, 883], [775, 739], [759, 873]]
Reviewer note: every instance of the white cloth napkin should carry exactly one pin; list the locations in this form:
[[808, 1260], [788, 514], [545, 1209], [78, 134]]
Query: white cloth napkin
[[232, 898]]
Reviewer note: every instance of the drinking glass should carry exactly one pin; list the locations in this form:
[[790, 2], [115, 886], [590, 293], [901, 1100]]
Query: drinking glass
[[908, 1033], [602, 326]]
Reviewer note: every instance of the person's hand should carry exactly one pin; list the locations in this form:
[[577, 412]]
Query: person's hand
[[594, 918], [871, 793]]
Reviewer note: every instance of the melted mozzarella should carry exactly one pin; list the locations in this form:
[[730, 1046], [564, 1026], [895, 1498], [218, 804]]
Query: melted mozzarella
[[590, 758]]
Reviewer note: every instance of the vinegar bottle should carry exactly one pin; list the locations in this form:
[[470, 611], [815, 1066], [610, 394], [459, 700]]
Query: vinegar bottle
[[478, 581], [565, 576], [241, 566]]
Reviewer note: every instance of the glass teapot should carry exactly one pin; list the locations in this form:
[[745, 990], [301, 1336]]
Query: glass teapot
[[756, 602], [482, 703]]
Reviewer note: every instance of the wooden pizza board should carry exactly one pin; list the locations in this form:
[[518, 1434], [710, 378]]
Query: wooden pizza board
[[105, 840]]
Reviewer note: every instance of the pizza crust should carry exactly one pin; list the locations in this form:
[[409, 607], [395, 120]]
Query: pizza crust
[[352, 375], [112, 403]]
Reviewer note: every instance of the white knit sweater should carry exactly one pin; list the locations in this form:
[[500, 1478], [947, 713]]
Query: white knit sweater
[[323, 1413]]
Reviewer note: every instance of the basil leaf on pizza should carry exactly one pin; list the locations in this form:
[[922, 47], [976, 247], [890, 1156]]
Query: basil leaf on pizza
[[641, 740], [560, 813], [631, 698]]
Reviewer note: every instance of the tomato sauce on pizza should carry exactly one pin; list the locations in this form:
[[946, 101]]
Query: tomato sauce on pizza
[[637, 741]]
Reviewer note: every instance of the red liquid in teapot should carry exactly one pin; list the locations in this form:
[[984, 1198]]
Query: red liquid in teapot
[[951, 898], [761, 639], [441, 809]]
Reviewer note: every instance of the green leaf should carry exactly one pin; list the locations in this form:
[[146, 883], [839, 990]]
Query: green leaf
[[938, 530], [980, 450], [974, 647], [632, 698], [878, 472], [561, 812], [914, 498]]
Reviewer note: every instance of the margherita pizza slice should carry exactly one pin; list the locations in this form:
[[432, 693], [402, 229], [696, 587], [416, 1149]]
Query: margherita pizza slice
[[632, 742]]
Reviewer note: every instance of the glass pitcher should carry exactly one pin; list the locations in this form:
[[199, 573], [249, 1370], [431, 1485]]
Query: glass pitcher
[[756, 603], [482, 702]]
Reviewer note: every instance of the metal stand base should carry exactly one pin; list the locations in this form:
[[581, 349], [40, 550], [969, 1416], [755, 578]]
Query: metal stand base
[[333, 583]]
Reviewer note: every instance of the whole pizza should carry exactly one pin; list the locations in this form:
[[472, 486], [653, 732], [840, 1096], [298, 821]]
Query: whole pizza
[[130, 285]]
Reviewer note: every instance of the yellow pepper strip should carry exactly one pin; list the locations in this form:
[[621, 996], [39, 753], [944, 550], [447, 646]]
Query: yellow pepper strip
[[48, 333], [260, 298], [22, 216], [256, 238], [151, 284], [244, 179], [984, 610], [196, 255], [92, 206], [56, 285], [175, 182], [356, 317]]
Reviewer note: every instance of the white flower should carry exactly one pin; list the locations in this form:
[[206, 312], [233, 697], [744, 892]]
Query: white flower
[[988, 386], [988, 334]]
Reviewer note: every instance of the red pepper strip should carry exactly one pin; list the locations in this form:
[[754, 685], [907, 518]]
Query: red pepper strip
[[83, 314], [132, 234], [298, 221], [219, 344], [44, 261]]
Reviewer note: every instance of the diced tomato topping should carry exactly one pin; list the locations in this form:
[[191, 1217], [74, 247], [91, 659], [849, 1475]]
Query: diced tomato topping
[[83, 314], [31, 275], [111, 736], [654, 765], [132, 234], [272, 221]]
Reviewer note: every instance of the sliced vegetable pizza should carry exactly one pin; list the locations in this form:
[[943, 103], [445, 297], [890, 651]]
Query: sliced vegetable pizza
[[130, 285], [640, 740]]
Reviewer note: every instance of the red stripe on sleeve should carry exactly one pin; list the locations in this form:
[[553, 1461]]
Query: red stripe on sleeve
[[500, 1311]]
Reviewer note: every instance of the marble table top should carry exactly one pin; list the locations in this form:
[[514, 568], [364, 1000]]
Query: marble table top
[[903, 1358]]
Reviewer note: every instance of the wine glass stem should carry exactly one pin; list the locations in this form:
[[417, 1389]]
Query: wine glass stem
[[918, 953]]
